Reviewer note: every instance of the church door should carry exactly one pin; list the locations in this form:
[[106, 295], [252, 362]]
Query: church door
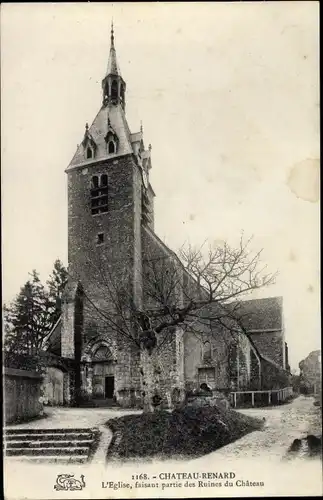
[[103, 373], [109, 387]]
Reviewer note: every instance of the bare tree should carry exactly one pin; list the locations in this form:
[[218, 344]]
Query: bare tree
[[199, 290]]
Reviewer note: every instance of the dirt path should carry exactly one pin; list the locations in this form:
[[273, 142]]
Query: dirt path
[[65, 418], [283, 424]]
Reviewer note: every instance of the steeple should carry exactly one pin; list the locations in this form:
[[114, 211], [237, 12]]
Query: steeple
[[113, 68], [109, 135], [113, 85]]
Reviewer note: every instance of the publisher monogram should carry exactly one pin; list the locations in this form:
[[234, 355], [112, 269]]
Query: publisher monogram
[[68, 482]]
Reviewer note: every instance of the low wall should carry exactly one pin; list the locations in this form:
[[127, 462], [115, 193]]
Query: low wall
[[213, 398], [21, 395]]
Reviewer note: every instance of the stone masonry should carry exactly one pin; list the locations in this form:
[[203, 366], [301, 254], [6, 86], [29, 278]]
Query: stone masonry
[[111, 244]]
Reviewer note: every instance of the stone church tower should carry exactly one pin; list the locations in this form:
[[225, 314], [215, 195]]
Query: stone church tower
[[110, 200], [113, 248]]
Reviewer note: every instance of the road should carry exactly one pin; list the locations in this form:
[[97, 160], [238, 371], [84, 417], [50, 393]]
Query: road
[[283, 424]]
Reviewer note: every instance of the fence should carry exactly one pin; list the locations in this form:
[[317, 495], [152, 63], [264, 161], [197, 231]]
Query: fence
[[21, 393], [260, 398]]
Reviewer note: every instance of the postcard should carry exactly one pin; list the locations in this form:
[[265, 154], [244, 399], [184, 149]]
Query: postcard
[[160, 188]]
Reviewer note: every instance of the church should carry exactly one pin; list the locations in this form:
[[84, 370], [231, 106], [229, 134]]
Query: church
[[111, 238]]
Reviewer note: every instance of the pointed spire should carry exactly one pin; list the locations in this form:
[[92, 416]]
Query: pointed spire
[[113, 68], [113, 85], [112, 34], [141, 128]]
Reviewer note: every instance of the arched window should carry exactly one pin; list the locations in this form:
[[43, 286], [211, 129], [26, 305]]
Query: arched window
[[104, 180], [111, 147], [114, 90], [95, 182], [89, 153]]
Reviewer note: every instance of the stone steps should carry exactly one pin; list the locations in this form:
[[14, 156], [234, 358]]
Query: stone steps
[[54, 445], [50, 437], [69, 430], [76, 459], [49, 444], [47, 451]]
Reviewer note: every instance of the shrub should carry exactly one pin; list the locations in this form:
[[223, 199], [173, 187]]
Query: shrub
[[190, 431]]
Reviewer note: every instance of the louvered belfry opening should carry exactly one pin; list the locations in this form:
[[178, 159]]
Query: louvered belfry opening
[[99, 194]]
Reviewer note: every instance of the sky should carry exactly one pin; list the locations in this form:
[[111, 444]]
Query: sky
[[228, 97]]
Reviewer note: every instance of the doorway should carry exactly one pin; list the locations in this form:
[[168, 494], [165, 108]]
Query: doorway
[[109, 387], [207, 376], [53, 386]]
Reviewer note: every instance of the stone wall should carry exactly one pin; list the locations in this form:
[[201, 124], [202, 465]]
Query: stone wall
[[238, 371], [151, 195], [106, 266], [161, 264], [124, 366], [164, 368], [196, 367], [273, 376], [53, 386], [87, 257], [22, 390], [270, 344], [58, 386], [311, 372], [127, 375], [255, 371]]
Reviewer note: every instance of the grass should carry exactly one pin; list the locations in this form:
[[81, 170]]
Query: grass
[[186, 432]]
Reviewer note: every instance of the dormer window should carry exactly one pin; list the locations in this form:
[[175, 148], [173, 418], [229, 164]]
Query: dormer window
[[111, 140], [111, 147], [89, 144]]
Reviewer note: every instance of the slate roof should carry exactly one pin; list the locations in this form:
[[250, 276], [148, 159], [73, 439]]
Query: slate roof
[[98, 131], [52, 342], [113, 67], [136, 137], [109, 117], [261, 314]]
